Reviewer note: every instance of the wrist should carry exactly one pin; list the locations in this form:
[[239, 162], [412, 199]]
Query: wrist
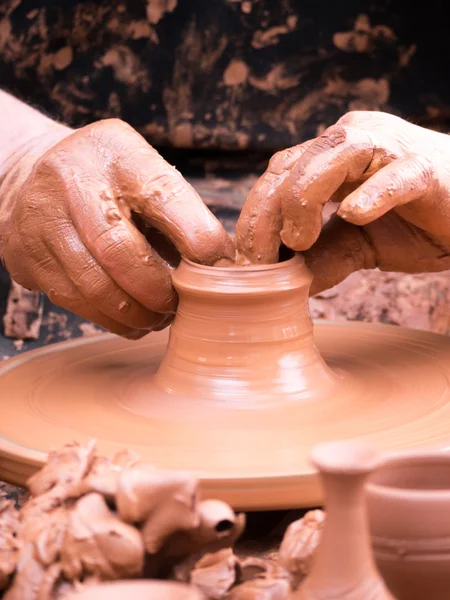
[[24, 154], [17, 167]]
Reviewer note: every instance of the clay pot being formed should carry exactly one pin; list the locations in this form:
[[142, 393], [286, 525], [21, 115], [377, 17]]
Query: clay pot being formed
[[344, 567], [138, 590], [243, 333], [408, 501]]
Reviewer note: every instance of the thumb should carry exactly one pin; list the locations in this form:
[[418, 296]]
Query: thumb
[[159, 194], [341, 249]]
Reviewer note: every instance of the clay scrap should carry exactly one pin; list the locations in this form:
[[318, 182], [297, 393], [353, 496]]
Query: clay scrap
[[91, 519], [23, 315]]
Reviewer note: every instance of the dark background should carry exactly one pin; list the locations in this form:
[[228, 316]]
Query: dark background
[[243, 75]]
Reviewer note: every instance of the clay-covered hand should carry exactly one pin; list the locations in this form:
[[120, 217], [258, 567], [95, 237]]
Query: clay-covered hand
[[97, 223], [392, 180]]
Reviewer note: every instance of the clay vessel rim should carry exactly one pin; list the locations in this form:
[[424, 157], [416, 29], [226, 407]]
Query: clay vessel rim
[[409, 459], [250, 281], [259, 268], [345, 458]]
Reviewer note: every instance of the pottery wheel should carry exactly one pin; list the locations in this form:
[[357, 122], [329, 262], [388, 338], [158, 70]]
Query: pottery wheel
[[394, 394]]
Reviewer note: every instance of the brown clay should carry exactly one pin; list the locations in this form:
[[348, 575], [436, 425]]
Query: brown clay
[[215, 574], [67, 533], [409, 515], [299, 545], [239, 393], [138, 590], [261, 589], [218, 527], [23, 316], [242, 336], [344, 567], [68, 538], [9, 546]]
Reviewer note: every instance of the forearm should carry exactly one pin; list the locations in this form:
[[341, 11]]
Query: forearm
[[21, 128], [25, 134]]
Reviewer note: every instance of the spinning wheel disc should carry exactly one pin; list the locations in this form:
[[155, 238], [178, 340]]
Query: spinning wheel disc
[[394, 393]]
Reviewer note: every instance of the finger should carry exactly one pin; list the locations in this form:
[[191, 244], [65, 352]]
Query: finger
[[339, 155], [42, 271], [62, 292], [157, 191], [259, 224], [125, 255], [112, 239], [402, 181], [342, 248], [401, 246], [94, 284]]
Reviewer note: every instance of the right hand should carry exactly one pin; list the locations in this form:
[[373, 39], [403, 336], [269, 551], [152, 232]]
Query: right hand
[[68, 227], [392, 182]]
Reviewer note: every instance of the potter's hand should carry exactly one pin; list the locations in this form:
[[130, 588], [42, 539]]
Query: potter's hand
[[70, 229], [392, 180]]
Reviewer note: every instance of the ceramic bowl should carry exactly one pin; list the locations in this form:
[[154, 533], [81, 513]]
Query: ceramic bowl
[[138, 590], [409, 515]]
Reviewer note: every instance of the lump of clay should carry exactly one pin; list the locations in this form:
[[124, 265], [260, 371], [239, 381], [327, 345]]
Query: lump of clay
[[98, 543], [215, 574], [218, 527], [103, 476], [261, 589], [299, 545], [138, 590], [91, 518], [9, 545], [24, 311], [64, 470], [253, 567], [163, 502]]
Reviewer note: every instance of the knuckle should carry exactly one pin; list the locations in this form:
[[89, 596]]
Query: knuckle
[[98, 291], [113, 135], [113, 247], [353, 117], [48, 164], [424, 167], [109, 126], [90, 278], [358, 118], [284, 159], [330, 138], [278, 160]]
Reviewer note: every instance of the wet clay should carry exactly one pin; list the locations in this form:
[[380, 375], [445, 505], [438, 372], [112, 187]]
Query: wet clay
[[237, 394], [344, 567], [409, 502], [23, 316], [139, 590], [91, 519]]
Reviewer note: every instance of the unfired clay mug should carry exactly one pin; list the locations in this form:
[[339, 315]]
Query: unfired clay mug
[[139, 590], [409, 514]]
